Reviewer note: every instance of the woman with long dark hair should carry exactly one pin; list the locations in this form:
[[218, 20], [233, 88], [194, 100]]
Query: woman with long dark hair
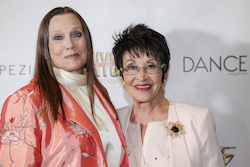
[[64, 116]]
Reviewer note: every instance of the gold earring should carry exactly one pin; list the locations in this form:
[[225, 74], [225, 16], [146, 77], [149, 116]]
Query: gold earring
[[123, 83], [163, 84]]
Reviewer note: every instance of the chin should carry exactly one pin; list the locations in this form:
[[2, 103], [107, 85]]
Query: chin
[[142, 100], [79, 70]]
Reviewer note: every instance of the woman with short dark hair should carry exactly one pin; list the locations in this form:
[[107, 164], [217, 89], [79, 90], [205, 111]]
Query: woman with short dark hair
[[159, 132]]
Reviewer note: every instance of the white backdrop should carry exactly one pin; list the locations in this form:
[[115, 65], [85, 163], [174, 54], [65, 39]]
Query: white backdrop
[[209, 43]]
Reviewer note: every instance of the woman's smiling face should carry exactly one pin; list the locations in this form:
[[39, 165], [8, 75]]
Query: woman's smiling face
[[142, 87]]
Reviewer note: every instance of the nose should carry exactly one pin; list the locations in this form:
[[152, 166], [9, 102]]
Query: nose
[[69, 43], [141, 75]]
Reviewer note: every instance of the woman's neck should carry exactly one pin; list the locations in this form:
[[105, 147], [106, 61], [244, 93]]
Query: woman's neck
[[150, 111], [69, 78]]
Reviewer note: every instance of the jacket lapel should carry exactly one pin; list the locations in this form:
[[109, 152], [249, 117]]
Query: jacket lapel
[[179, 155], [112, 113], [75, 113]]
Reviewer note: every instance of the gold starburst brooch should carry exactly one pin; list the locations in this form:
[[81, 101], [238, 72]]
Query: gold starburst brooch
[[175, 129]]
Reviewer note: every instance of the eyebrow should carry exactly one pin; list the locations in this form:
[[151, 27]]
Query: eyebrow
[[135, 61], [73, 29]]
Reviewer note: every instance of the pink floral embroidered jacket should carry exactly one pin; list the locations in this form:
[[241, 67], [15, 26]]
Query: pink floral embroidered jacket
[[28, 137]]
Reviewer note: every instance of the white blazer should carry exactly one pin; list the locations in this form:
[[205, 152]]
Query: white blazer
[[198, 147]]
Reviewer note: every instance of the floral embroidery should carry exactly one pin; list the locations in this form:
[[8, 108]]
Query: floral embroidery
[[85, 155], [175, 129], [12, 119], [41, 122], [79, 130], [15, 130], [10, 136], [128, 152]]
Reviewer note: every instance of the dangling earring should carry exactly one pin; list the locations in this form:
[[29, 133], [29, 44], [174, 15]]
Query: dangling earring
[[163, 84], [123, 83]]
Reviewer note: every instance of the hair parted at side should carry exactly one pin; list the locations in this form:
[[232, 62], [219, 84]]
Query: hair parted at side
[[137, 39], [47, 82]]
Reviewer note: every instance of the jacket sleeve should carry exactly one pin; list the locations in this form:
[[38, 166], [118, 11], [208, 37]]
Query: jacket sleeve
[[210, 148], [19, 131]]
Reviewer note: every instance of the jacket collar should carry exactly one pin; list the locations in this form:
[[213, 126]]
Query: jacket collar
[[75, 113], [178, 150], [179, 155], [82, 119], [112, 113]]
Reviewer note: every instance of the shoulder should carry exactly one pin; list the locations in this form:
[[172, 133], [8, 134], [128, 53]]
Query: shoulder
[[193, 112], [123, 116], [21, 105], [124, 112], [195, 117], [24, 94], [189, 107], [125, 108]]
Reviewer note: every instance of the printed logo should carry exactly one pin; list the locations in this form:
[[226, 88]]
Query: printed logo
[[105, 64], [227, 157], [15, 69], [105, 68], [234, 65]]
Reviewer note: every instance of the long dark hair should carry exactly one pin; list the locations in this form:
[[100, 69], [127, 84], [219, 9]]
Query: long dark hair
[[47, 82]]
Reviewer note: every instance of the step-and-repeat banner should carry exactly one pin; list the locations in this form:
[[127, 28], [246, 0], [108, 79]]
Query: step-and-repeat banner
[[210, 54]]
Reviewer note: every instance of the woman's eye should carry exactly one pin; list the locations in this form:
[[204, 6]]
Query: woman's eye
[[151, 66], [132, 67], [58, 37], [77, 34]]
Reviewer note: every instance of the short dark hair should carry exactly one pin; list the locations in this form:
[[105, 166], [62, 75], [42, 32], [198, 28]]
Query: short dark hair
[[141, 39]]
